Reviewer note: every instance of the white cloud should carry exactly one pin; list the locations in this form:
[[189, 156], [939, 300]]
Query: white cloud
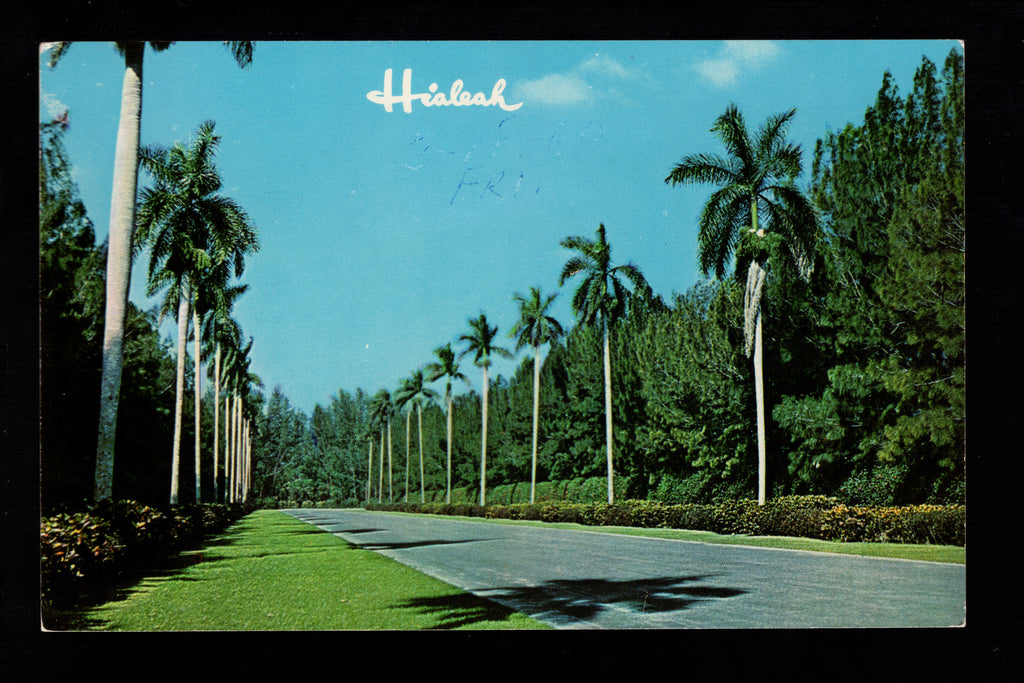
[[737, 56], [751, 51], [721, 72], [606, 66], [554, 89], [572, 86]]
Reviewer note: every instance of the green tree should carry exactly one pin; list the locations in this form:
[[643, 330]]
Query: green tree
[[757, 181], [600, 298], [480, 343], [191, 231], [535, 327], [891, 194], [446, 366], [119, 251]]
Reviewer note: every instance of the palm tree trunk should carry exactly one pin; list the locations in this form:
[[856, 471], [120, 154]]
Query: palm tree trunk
[[227, 446], [483, 443], [408, 434], [119, 265], [369, 473], [419, 421], [608, 410], [179, 390], [391, 491], [759, 395], [198, 397], [380, 481], [216, 420], [448, 445], [536, 413]]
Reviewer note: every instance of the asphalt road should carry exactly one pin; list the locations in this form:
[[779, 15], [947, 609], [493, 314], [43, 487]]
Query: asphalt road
[[592, 580]]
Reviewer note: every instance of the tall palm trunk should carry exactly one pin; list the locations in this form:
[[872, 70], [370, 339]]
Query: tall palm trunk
[[483, 443], [752, 306], [536, 413], [369, 473], [119, 265], [419, 422], [408, 435], [448, 447], [380, 481], [762, 466], [227, 447], [391, 491], [216, 420], [608, 410], [196, 334], [179, 392]]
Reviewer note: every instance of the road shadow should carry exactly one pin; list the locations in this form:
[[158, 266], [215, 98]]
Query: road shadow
[[372, 545], [584, 599], [457, 611]]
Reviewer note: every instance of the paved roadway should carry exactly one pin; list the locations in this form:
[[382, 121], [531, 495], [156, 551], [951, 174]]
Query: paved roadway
[[592, 580]]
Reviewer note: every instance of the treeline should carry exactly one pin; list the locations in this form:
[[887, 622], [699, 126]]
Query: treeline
[[72, 300], [863, 357]]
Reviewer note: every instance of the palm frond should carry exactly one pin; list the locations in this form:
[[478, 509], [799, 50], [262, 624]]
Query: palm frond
[[703, 168], [732, 131]]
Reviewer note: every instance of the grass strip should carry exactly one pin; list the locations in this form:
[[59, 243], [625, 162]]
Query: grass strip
[[901, 551], [272, 572]]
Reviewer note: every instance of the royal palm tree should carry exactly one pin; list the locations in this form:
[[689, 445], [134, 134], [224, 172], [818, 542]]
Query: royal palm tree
[[190, 230], [757, 195], [415, 393], [535, 327], [447, 367], [600, 298], [119, 245], [480, 342], [383, 409]]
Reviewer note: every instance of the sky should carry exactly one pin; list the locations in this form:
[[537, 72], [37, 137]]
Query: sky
[[383, 232]]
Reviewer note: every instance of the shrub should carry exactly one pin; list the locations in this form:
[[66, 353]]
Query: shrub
[[82, 552], [877, 487]]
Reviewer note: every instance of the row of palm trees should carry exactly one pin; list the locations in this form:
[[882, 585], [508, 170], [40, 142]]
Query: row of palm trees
[[600, 299], [757, 193], [189, 272]]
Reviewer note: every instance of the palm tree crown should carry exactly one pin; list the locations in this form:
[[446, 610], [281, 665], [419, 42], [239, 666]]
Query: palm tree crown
[[601, 296], [535, 326], [480, 342], [757, 191]]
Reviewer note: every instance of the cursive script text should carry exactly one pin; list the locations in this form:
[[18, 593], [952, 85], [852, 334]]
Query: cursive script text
[[456, 97]]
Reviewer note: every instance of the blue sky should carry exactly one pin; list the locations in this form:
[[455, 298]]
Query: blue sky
[[382, 233]]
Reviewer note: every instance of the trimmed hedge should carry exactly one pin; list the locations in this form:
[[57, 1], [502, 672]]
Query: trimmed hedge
[[84, 552], [817, 517]]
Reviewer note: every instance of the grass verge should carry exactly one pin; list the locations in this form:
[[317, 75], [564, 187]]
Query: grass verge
[[900, 551], [272, 572]]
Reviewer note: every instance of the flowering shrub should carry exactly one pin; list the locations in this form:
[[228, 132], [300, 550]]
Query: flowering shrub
[[818, 517]]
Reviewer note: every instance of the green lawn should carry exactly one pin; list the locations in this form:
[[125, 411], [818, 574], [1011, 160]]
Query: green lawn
[[273, 572]]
